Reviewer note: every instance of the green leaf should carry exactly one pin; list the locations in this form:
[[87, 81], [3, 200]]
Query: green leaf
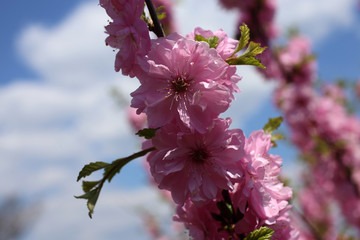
[[92, 198], [90, 168], [88, 185], [147, 133], [272, 125], [92, 188], [244, 38], [212, 41], [243, 60], [115, 168], [263, 233], [276, 137], [200, 38], [254, 49], [248, 57]]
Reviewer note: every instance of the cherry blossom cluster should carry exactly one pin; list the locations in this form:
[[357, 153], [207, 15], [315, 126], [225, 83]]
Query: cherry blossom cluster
[[327, 135], [224, 184]]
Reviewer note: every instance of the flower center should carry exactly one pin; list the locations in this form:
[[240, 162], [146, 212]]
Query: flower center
[[199, 155], [180, 84]]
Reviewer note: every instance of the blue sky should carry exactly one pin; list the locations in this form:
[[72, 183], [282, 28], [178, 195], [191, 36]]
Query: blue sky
[[57, 114]]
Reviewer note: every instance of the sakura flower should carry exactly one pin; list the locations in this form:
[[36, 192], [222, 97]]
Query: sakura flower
[[199, 222], [196, 165], [128, 33], [225, 46], [266, 193], [186, 82]]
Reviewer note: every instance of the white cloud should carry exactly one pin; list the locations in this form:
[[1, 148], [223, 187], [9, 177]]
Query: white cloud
[[317, 19]]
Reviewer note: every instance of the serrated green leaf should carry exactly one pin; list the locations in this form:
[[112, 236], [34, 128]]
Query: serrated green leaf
[[92, 198], [244, 38], [88, 185], [272, 125], [248, 57], [254, 49], [90, 168], [200, 38], [263, 233], [244, 60], [112, 170], [147, 133], [118, 164], [212, 41]]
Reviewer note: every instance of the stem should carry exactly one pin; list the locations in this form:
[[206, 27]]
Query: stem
[[157, 26]]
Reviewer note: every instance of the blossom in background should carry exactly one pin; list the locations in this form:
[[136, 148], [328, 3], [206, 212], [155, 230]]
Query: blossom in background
[[194, 165], [137, 121], [187, 82], [296, 61]]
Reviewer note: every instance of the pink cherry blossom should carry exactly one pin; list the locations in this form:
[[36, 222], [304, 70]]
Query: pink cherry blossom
[[195, 165], [266, 192], [128, 33], [225, 47], [199, 222], [186, 82]]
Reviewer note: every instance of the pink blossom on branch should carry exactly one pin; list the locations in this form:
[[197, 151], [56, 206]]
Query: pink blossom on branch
[[266, 194], [186, 82], [258, 194], [195, 165], [128, 33], [225, 47]]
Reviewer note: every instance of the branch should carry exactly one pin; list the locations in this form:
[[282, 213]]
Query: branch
[[157, 26]]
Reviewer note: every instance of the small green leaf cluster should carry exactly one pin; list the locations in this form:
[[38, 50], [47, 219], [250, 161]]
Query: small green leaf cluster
[[92, 189], [249, 55], [212, 41], [272, 125]]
